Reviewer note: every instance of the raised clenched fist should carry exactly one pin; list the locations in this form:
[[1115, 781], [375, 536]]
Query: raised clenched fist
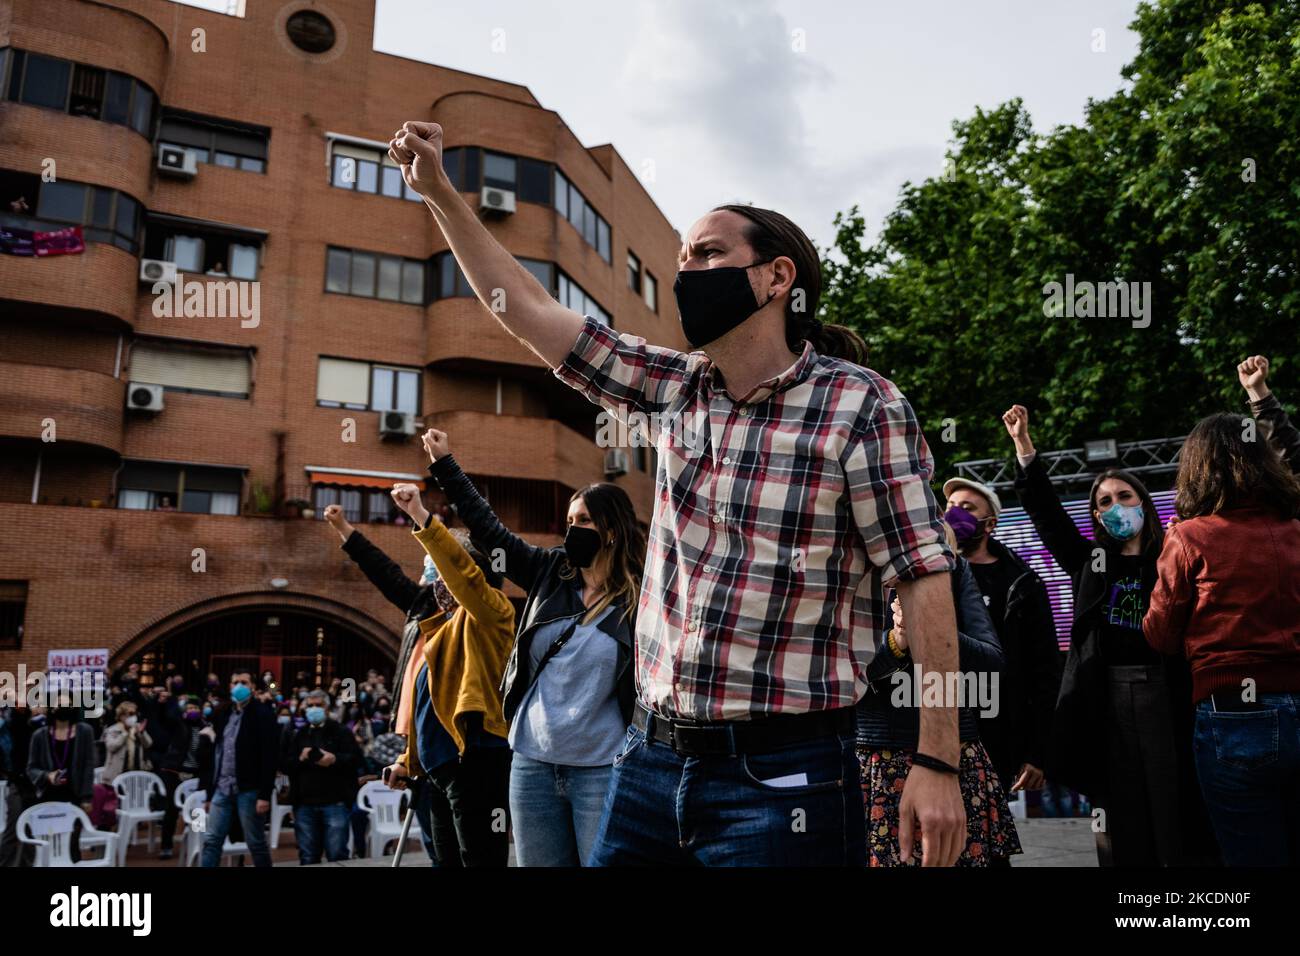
[[436, 444], [1016, 418], [1252, 375], [417, 149]]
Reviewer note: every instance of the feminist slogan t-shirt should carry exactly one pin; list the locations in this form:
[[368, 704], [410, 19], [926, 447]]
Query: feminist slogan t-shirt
[[1122, 610]]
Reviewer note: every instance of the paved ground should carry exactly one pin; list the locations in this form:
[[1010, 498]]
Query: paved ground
[[1046, 842]]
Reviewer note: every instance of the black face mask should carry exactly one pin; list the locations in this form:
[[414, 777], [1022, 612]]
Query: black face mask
[[66, 714], [581, 545], [712, 302]]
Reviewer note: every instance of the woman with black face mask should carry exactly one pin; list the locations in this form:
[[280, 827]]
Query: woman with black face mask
[[61, 762], [569, 683]]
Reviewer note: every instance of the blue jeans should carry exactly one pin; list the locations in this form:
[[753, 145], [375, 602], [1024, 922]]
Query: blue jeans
[[221, 817], [1248, 763], [664, 808], [555, 810], [326, 824]]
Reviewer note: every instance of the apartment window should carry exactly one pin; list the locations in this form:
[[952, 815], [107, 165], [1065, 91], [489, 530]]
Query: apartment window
[[367, 386], [161, 486], [107, 215], [652, 293], [194, 369], [373, 275], [633, 273], [462, 164], [360, 505], [499, 171], [451, 281], [570, 204], [216, 141], [367, 169], [200, 248], [81, 90], [13, 595], [534, 181], [575, 297]]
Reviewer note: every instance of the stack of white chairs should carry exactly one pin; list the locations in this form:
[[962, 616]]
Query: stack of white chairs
[[279, 811], [133, 789]]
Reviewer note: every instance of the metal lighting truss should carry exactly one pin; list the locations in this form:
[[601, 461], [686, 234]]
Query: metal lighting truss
[[1070, 466]]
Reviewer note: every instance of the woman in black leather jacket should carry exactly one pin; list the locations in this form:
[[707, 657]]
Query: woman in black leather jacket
[[569, 684], [889, 726]]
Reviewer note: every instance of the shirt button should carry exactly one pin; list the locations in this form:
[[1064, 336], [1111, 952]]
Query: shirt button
[[726, 461], [717, 518], [708, 570], [690, 625]]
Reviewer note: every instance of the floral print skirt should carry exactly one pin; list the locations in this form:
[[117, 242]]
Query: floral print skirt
[[990, 828]]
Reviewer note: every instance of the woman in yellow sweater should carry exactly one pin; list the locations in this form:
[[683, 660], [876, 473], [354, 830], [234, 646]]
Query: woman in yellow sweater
[[458, 733]]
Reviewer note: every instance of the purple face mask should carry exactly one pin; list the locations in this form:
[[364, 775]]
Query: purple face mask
[[964, 524]]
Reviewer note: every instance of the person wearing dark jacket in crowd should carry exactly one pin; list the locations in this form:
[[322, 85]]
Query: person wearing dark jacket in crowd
[[1228, 599], [61, 763], [1274, 424], [15, 743], [241, 775], [1016, 599], [889, 730], [322, 761], [190, 750], [569, 687], [1122, 730]]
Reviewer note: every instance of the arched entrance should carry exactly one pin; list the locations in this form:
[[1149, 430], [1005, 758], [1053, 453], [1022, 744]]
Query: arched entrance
[[299, 638]]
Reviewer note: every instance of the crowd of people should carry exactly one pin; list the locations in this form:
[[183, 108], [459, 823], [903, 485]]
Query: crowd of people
[[58, 753], [732, 688]]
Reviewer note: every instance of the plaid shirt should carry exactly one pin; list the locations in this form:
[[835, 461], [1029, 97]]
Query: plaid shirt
[[779, 519]]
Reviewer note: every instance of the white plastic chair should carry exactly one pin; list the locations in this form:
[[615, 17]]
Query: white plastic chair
[[192, 847], [49, 826], [386, 808], [279, 811], [183, 790], [99, 775], [133, 789]]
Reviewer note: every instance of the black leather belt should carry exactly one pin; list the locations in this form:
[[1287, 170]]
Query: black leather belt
[[734, 737]]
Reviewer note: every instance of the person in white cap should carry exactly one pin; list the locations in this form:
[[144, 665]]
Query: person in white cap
[[1017, 738]]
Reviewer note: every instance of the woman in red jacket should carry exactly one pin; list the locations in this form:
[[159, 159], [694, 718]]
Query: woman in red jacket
[[1228, 598]]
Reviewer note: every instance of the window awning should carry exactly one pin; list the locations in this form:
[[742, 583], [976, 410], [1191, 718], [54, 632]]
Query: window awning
[[352, 478]]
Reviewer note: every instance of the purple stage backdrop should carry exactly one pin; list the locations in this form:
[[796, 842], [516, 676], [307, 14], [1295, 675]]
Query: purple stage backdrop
[[1016, 532]]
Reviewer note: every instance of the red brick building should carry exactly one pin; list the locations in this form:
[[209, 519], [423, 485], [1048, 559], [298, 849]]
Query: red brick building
[[150, 462]]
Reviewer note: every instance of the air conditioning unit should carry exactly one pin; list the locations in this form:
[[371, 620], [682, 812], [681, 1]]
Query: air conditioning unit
[[396, 424], [615, 462], [174, 161], [144, 398], [496, 200], [157, 270]]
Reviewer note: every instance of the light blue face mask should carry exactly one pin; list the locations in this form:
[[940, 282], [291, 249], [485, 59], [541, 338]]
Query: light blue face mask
[[430, 571], [1123, 522], [316, 715], [240, 693]]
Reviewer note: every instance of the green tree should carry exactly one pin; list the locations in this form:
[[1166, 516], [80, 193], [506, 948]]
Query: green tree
[[1156, 187]]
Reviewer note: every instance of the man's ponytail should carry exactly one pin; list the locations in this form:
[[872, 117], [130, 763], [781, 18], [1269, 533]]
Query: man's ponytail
[[772, 234]]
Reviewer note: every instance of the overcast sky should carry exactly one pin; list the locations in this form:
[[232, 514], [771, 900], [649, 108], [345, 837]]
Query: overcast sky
[[807, 106]]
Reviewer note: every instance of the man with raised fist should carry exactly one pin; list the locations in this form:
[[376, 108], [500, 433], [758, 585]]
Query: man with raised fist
[[775, 533]]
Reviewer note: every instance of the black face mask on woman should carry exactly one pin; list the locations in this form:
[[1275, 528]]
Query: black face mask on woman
[[712, 302], [581, 545]]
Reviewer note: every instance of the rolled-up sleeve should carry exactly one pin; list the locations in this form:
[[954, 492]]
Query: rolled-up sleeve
[[887, 470], [623, 374]]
